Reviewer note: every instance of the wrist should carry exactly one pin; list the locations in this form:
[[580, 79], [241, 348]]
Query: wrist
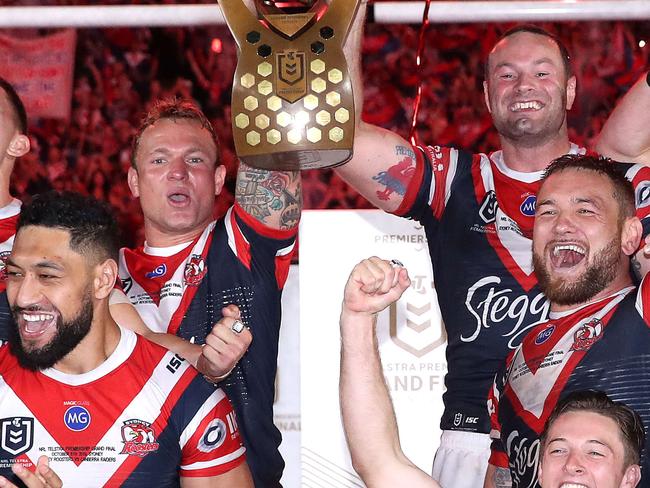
[[215, 380]]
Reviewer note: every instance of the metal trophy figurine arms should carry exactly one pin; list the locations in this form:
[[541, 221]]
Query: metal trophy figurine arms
[[292, 105]]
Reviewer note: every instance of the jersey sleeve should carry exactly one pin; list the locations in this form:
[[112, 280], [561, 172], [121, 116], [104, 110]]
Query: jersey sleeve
[[267, 250], [498, 455], [211, 444], [430, 186]]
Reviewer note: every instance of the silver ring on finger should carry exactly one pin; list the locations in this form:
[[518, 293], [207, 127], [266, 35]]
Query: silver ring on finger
[[237, 326]]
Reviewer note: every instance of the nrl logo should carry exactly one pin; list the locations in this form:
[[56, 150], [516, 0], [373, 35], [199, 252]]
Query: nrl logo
[[419, 319], [291, 81], [17, 434], [488, 210]]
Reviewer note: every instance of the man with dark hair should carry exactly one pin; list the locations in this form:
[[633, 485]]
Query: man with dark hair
[[597, 335], [477, 211], [589, 440], [585, 412], [192, 266], [108, 407], [14, 143]]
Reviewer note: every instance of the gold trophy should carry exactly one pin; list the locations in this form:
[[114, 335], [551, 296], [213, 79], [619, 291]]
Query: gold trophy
[[292, 105]]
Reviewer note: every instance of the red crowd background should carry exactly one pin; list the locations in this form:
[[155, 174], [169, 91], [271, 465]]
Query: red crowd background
[[120, 72]]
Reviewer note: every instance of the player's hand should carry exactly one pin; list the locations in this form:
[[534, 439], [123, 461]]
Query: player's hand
[[224, 345], [44, 477], [373, 285]]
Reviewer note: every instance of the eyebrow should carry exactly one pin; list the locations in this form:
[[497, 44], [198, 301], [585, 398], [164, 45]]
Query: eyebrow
[[41, 265], [190, 150], [589, 441], [537, 62]]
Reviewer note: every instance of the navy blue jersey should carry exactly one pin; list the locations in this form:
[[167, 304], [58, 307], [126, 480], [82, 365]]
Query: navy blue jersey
[[140, 419], [601, 346], [478, 217], [236, 260]]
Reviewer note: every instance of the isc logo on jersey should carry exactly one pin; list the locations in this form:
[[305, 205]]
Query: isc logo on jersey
[[76, 418]]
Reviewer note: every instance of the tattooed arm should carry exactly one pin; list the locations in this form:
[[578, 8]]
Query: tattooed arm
[[272, 197], [383, 162], [497, 477]]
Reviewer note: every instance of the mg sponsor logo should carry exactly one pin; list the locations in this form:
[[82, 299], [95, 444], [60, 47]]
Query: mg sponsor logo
[[527, 207], [76, 418], [492, 305]]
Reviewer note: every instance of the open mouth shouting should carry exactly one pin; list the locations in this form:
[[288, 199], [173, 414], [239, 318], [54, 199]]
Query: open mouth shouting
[[179, 197], [34, 323], [565, 256]]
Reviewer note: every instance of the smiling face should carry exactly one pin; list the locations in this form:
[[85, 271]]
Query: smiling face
[[581, 242], [585, 450], [527, 90], [49, 291], [176, 180]]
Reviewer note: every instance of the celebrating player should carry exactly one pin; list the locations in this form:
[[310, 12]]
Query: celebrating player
[[106, 406], [192, 266], [477, 211]]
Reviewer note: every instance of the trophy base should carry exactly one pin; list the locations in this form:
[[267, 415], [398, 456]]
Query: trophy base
[[298, 160]]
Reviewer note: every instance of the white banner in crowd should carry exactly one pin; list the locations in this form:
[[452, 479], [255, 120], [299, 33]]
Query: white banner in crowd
[[411, 338], [41, 69]]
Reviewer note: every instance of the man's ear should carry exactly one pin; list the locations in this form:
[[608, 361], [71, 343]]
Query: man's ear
[[570, 92], [105, 277], [631, 476], [19, 146], [133, 182], [219, 178], [486, 95], [631, 235]]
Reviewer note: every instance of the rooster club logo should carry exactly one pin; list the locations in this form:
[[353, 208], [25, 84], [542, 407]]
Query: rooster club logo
[[587, 335], [158, 272], [195, 270], [139, 438]]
